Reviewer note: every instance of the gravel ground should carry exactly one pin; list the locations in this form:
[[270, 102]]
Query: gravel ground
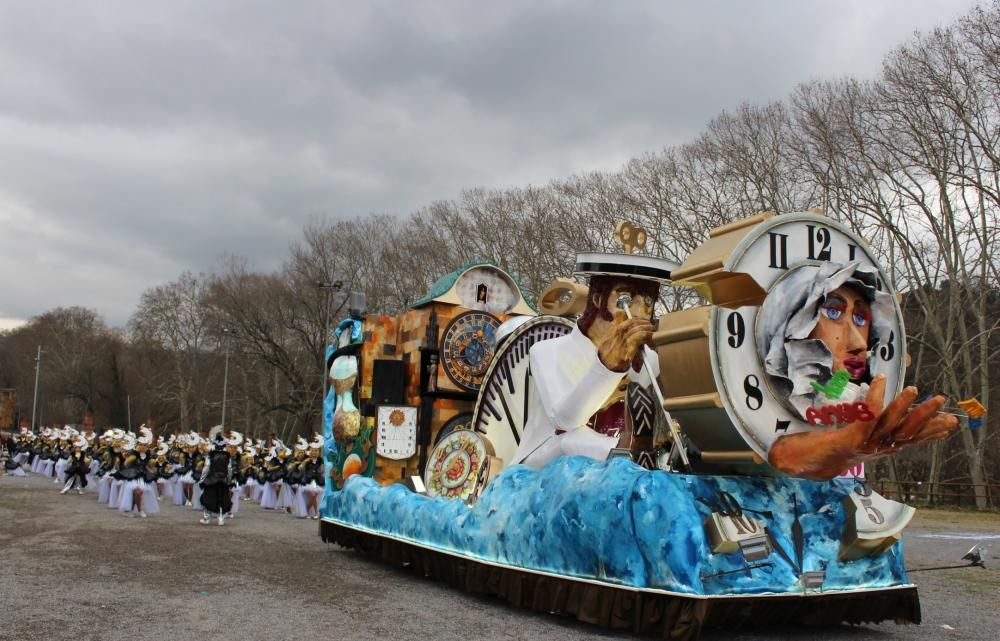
[[71, 569]]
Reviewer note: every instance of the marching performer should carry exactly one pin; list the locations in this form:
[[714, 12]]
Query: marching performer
[[216, 480], [137, 495], [45, 454], [192, 466], [313, 481], [247, 475], [63, 449], [233, 445], [164, 471], [274, 467], [293, 476], [78, 466], [19, 450], [111, 460]]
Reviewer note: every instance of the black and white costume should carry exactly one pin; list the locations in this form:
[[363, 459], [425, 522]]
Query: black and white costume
[[77, 466], [217, 477]]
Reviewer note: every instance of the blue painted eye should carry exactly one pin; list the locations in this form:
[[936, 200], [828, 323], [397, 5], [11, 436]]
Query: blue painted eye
[[833, 313], [648, 300], [860, 320]]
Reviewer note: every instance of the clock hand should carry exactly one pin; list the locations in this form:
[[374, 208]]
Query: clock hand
[[624, 302]]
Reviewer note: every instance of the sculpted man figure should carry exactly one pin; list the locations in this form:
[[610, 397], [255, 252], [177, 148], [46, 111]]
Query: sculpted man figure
[[577, 380]]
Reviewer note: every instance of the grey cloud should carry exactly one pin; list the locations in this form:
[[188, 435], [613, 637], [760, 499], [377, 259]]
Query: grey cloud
[[142, 139]]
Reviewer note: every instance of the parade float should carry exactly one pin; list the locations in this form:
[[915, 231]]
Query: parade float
[[697, 516]]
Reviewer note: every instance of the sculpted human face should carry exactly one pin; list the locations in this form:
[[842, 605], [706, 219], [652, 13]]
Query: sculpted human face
[[844, 324], [641, 307]]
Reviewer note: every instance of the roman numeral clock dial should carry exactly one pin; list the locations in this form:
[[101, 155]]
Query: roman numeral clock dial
[[467, 348]]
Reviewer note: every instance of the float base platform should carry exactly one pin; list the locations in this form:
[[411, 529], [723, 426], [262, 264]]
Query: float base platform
[[649, 612]]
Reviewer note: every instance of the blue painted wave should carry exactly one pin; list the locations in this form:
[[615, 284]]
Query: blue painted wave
[[616, 522]]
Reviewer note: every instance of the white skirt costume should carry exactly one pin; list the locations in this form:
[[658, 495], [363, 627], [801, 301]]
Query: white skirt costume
[[286, 498], [95, 466], [299, 508], [167, 487], [179, 483], [250, 489], [114, 494], [60, 469], [126, 500], [269, 496], [104, 488], [196, 496], [235, 493], [45, 468]]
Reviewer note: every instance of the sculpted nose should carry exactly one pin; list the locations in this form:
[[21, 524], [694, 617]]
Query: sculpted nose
[[856, 342]]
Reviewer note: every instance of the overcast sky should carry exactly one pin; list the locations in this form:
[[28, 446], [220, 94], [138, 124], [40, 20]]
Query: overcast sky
[[142, 139]]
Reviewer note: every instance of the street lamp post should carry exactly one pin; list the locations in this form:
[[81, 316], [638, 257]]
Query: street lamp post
[[329, 288], [34, 402], [225, 377]]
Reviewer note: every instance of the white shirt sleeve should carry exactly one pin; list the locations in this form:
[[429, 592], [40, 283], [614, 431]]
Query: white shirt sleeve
[[571, 379]]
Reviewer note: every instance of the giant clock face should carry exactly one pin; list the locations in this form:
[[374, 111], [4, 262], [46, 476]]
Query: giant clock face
[[467, 348], [502, 407], [789, 256]]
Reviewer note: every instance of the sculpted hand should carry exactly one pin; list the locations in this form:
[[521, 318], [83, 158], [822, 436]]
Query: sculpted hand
[[821, 455], [900, 425], [622, 346]]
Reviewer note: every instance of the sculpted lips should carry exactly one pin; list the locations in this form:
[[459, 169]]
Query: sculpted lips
[[856, 367]]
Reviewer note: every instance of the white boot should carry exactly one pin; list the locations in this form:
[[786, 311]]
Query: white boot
[[206, 518], [222, 517]]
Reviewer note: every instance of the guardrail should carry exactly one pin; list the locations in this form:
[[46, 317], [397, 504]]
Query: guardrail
[[957, 494]]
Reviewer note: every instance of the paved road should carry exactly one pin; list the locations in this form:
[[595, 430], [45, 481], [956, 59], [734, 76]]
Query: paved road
[[71, 569]]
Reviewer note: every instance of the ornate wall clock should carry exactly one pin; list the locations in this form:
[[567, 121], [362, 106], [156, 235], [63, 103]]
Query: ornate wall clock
[[467, 348], [396, 431], [502, 406], [459, 467], [776, 283]]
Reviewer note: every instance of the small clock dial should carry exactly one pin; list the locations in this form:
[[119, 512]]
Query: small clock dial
[[791, 256], [487, 289], [502, 407], [396, 431], [467, 348], [458, 466]]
